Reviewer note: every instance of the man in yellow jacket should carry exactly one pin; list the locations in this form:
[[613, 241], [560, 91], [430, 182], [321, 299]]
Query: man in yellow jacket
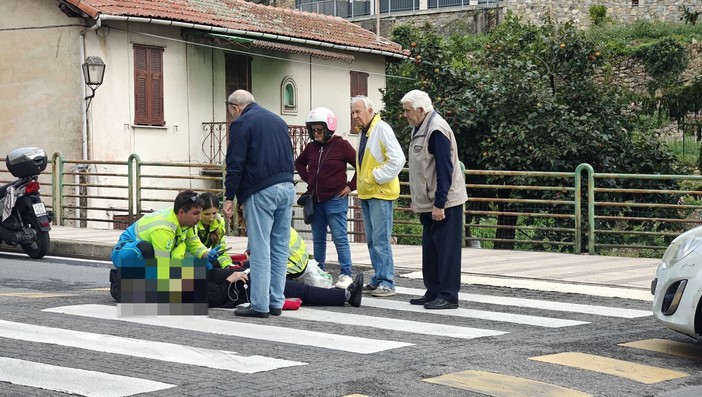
[[380, 160], [163, 235]]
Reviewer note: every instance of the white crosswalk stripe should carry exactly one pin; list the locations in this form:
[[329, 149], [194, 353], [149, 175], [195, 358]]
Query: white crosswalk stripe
[[217, 359], [479, 314], [540, 304], [74, 381], [392, 324], [245, 330]]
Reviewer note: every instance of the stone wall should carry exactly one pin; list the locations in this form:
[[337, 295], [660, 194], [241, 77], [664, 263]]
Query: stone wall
[[630, 73], [447, 22], [621, 11]]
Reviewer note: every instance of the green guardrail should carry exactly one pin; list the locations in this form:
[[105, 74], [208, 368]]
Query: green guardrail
[[576, 212]]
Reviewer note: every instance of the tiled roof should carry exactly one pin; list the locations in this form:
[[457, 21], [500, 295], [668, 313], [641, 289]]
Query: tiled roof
[[245, 16]]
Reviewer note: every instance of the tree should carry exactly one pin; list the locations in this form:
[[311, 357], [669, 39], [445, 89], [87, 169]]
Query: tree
[[526, 100]]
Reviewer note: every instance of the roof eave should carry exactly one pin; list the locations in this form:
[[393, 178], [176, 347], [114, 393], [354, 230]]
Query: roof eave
[[237, 32]]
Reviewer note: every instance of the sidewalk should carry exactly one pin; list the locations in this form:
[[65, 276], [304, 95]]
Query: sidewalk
[[621, 272]]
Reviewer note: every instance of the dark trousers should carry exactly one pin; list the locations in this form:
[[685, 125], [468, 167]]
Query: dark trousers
[[222, 294], [441, 254]]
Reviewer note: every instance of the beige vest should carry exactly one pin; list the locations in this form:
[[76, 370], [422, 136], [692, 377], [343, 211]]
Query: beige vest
[[422, 167]]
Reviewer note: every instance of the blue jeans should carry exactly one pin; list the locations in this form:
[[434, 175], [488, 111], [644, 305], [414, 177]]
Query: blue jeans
[[377, 220], [332, 213], [268, 215]]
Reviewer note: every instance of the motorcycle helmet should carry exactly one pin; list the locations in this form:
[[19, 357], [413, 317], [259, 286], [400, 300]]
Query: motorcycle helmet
[[321, 116]]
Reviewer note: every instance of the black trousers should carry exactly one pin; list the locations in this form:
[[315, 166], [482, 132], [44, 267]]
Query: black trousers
[[441, 254], [221, 294]]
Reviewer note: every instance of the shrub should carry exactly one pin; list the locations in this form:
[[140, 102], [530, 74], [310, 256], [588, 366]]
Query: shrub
[[598, 14]]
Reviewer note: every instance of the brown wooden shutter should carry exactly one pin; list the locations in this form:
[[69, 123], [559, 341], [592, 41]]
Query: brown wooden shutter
[[359, 83], [141, 115], [156, 63], [148, 81]]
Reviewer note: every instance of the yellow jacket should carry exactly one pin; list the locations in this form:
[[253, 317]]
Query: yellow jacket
[[297, 254], [169, 239], [203, 233], [383, 160]]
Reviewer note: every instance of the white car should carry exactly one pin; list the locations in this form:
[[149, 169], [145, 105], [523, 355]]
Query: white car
[[678, 285]]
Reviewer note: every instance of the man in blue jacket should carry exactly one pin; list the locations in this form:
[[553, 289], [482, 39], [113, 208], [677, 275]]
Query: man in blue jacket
[[260, 175]]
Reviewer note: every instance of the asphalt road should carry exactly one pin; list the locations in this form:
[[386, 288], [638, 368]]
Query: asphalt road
[[56, 317]]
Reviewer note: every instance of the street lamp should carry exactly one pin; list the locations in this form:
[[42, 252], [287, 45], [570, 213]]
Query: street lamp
[[93, 72]]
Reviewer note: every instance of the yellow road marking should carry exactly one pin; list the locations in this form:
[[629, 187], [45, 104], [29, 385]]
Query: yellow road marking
[[498, 385], [35, 294], [624, 369], [680, 349]]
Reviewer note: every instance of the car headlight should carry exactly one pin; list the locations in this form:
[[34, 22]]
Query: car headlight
[[682, 246]]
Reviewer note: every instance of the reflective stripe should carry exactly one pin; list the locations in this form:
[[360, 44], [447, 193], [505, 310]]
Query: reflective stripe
[[297, 254]]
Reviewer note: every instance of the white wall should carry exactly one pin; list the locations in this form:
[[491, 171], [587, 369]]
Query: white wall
[[40, 78]]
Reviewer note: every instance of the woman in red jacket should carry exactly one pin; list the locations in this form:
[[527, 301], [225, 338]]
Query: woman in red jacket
[[323, 166]]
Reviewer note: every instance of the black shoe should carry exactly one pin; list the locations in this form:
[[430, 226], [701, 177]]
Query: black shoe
[[356, 290], [275, 312], [420, 301], [249, 312], [440, 304]]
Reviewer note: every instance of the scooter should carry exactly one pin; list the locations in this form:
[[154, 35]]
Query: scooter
[[24, 220]]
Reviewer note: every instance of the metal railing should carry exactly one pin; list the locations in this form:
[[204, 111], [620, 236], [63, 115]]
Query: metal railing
[[353, 9], [579, 211], [214, 146]]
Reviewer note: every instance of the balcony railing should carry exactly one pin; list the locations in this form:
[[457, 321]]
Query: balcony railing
[[352, 9], [214, 146]]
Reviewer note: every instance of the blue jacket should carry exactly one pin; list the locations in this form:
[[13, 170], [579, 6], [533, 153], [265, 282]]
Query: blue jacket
[[259, 153]]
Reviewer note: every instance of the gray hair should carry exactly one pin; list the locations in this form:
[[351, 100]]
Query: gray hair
[[367, 103], [418, 99], [241, 98]]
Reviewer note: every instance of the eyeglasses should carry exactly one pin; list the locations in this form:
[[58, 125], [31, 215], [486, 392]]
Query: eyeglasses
[[229, 103], [318, 130]]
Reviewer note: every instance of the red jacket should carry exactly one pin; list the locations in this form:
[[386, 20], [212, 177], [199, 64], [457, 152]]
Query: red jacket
[[326, 178]]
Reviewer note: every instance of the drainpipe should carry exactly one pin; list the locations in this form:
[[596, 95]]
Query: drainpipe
[[84, 117]]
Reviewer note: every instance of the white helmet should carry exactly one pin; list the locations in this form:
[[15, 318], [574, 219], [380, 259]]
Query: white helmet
[[323, 116]]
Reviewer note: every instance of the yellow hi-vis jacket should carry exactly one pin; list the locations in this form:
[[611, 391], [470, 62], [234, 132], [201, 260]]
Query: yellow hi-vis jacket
[[383, 159], [204, 232], [169, 239], [297, 255]]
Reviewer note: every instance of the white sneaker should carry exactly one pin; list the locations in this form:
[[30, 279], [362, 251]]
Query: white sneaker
[[344, 282]]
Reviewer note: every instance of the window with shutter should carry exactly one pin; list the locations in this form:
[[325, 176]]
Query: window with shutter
[[359, 83], [148, 85]]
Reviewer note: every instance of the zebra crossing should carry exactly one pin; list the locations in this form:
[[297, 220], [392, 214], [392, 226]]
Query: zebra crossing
[[353, 341]]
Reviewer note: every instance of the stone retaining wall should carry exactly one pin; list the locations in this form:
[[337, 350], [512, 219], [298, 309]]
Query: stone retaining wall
[[621, 11]]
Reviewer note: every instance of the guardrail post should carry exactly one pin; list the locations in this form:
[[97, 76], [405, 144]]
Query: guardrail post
[[57, 188], [134, 186], [590, 208]]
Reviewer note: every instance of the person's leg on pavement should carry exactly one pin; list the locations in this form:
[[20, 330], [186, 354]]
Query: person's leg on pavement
[[319, 234], [381, 217], [258, 212], [368, 226], [337, 210], [314, 296], [447, 238], [430, 274], [131, 255], [279, 239]]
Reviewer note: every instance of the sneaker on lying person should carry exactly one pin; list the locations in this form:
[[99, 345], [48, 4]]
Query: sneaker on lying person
[[344, 282]]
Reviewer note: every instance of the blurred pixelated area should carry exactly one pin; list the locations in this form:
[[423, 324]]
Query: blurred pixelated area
[[180, 288]]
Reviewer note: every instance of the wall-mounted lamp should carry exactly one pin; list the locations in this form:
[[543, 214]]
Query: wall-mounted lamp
[[93, 72]]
